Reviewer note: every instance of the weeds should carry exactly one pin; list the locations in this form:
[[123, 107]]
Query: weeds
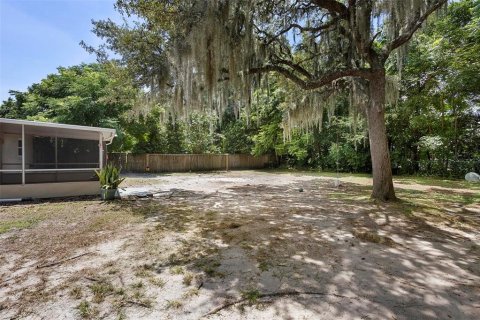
[[251, 296], [76, 292], [85, 310], [174, 304], [6, 226], [160, 283], [101, 290], [263, 266], [176, 270], [137, 285], [187, 278], [190, 293]]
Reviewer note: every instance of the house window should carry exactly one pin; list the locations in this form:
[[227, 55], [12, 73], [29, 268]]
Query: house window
[[19, 149]]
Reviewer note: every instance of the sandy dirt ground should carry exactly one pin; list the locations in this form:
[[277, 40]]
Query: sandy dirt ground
[[244, 245]]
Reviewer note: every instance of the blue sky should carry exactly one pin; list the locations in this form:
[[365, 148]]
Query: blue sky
[[37, 36]]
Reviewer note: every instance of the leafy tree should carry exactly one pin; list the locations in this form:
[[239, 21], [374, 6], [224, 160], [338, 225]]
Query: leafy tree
[[175, 136], [13, 107], [87, 94], [147, 132], [200, 135], [267, 115], [435, 129]]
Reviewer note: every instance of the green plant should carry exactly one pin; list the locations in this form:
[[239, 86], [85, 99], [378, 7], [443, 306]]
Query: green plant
[[157, 282], [109, 177], [101, 290], [251, 296], [84, 309]]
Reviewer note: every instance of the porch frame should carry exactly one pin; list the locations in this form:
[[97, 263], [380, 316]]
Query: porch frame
[[54, 131]]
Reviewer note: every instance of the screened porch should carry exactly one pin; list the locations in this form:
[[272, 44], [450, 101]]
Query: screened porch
[[36, 152]]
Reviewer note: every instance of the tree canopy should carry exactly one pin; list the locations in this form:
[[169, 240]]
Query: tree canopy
[[155, 88], [218, 52]]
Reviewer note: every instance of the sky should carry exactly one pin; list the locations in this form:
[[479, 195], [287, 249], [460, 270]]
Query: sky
[[37, 36]]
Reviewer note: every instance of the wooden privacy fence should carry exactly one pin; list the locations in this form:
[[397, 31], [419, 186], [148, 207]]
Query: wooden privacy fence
[[186, 162]]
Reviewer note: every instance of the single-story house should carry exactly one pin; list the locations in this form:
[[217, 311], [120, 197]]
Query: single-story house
[[44, 160]]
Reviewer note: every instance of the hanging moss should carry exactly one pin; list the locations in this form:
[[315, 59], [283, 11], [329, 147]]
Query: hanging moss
[[221, 44]]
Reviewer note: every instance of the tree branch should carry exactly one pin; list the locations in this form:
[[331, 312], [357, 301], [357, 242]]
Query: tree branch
[[317, 83], [414, 26], [333, 6], [274, 295], [295, 66], [304, 29]]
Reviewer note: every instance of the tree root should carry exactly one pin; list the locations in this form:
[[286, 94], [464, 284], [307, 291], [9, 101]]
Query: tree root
[[62, 261], [274, 294]]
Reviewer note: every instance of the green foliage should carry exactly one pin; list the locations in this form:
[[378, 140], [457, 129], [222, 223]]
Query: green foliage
[[267, 114], [251, 296], [87, 94], [435, 129], [85, 310], [236, 134], [109, 177], [83, 95], [200, 136], [147, 132]]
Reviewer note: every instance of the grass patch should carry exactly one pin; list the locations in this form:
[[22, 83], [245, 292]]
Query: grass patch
[[209, 267], [160, 283], [251, 296], [86, 311], [263, 266], [100, 290], [174, 304], [120, 292], [139, 297], [433, 198], [177, 270], [437, 182], [188, 278], [6, 226], [142, 273]]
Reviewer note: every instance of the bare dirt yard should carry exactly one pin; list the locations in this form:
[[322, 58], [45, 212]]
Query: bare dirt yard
[[245, 245]]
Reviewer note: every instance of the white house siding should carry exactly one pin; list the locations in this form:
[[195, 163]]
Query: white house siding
[[49, 190], [10, 158]]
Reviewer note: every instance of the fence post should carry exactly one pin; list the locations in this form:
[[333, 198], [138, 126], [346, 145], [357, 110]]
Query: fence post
[[147, 162], [226, 161]]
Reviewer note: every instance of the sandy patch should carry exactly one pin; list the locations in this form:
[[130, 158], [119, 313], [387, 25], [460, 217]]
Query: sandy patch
[[283, 246]]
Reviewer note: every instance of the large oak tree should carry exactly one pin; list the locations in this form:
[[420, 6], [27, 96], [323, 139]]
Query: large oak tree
[[211, 53]]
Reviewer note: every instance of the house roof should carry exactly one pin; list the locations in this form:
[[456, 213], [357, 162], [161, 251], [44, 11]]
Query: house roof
[[51, 128]]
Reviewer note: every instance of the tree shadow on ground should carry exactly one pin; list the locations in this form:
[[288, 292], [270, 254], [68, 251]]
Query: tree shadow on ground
[[296, 250], [352, 258]]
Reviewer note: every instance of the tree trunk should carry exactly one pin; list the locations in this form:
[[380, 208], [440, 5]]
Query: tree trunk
[[377, 132]]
